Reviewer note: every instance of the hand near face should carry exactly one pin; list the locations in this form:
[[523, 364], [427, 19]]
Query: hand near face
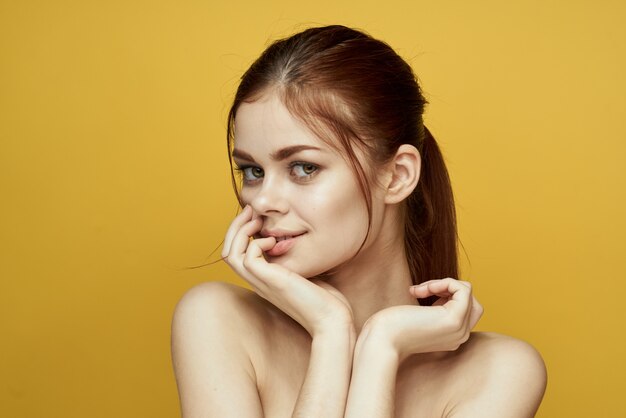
[[314, 304], [408, 329]]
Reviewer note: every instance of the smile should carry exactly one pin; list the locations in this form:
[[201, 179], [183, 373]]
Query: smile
[[278, 239], [283, 244]]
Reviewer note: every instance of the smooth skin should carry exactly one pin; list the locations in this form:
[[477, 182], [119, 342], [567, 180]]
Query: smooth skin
[[353, 343]]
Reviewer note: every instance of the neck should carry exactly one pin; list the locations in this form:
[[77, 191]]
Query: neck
[[378, 278]]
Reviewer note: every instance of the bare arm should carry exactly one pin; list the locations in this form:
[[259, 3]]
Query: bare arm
[[214, 374], [373, 385], [325, 388], [318, 307], [503, 377], [392, 334], [506, 380]]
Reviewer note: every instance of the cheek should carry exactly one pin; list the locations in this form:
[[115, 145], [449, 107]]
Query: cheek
[[246, 194], [337, 198], [340, 212]]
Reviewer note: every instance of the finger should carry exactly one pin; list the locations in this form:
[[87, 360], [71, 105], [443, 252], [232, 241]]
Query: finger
[[253, 272], [257, 247], [254, 213], [461, 298], [424, 289], [273, 276], [471, 300], [241, 240], [439, 287], [459, 293], [235, 225], [238, 249], [422, 292], [475, 309], [476, 313]]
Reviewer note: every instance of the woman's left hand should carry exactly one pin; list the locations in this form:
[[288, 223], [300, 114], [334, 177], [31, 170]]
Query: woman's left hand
[[409, 329]]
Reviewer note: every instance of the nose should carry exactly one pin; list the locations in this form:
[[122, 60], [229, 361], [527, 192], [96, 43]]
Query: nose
[[269, 198]]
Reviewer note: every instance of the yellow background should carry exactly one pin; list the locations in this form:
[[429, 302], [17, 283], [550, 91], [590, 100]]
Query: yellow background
[[114, 177]]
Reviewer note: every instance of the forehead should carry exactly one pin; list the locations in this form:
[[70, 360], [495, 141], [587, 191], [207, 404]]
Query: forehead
[[268, 123]]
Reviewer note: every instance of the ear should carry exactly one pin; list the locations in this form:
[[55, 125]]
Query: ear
[[403, 174]]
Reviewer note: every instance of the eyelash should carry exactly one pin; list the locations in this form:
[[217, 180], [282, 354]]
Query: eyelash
[[242, 170]]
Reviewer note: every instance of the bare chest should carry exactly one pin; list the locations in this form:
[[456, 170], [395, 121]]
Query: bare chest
[[420, 390]]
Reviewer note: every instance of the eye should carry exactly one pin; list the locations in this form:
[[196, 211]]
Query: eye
[[250, 173], [303, 170]]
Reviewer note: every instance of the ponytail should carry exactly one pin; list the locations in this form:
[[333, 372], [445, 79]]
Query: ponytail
[[430, 228]]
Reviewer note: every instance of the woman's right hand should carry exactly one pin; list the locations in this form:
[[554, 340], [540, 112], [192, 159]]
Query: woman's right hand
[[409, 329], [314, 304]]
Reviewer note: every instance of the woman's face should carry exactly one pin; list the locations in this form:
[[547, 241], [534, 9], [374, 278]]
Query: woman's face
[[303, 190]]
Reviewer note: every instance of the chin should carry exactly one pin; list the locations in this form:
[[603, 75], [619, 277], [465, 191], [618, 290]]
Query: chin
[[291, 264]]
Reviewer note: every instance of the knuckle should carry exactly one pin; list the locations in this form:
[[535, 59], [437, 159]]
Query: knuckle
[[453, 347], [459, 333], [480, 309], [230, 259], [246, 262], [453, 324]]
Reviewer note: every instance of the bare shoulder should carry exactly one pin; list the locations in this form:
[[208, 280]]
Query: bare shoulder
[[219, 298], [215, 291], [500, 348], [213, 328], [504, 356], [504, 377], [234, 315]]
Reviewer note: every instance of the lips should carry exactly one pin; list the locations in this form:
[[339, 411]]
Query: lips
[[284, 242], [284, 237]]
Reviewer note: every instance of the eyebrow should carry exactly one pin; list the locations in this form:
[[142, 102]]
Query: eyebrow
[[279, 155]]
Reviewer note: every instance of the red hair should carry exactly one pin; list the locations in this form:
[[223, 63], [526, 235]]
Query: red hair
[[352, 90]]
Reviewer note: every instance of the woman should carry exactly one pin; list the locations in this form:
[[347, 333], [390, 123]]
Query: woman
[[348, 238]]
